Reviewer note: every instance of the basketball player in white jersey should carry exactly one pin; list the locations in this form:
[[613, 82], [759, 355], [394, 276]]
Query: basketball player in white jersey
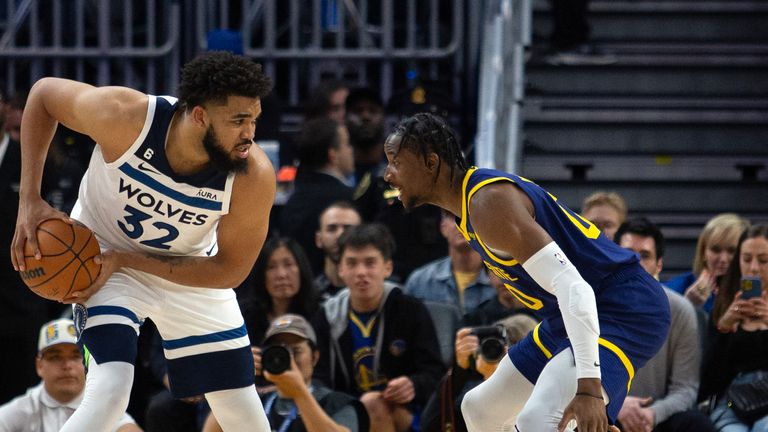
[[179, 198]]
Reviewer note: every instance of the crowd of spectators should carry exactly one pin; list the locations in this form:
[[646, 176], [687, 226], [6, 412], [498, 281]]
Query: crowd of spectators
[[358, 291]]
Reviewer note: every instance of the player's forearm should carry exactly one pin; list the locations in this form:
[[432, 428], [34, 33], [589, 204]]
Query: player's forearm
[[577, 305], [195, 271], [37, 130], [550, 268], [315, 419]]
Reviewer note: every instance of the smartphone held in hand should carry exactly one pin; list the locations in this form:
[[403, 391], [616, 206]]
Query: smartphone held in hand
[[751, 287]]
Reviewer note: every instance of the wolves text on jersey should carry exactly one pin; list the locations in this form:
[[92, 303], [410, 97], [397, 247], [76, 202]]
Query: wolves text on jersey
[[160, 206]]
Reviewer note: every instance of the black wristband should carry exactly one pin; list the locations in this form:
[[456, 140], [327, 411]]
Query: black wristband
[[590, 395]]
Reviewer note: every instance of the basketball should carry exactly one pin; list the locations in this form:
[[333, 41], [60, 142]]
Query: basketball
[[67, 264]]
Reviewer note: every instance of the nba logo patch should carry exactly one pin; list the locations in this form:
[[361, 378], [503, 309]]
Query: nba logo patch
[[79, 316]]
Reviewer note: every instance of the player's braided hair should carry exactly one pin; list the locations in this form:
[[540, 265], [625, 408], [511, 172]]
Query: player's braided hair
[[424, 132], [214, 76]]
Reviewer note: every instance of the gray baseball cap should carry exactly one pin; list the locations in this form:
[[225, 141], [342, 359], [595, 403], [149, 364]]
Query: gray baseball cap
[[291, 324]]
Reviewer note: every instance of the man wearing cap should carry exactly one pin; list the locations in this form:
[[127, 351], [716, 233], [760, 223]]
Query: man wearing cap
[[298, 404], [47, 406]]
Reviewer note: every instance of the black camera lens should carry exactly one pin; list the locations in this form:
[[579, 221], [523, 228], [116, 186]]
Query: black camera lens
[[275, 359], [492, 342], [492, 349]]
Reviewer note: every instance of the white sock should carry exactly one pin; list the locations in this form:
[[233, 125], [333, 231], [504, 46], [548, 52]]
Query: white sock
[[493, 405], [554, 390], [238, 410], [107, 391]]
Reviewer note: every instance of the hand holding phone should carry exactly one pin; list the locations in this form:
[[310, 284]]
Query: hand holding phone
[[751, 287]]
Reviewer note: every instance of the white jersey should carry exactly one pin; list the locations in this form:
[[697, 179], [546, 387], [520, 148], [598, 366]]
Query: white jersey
[[137, 203]]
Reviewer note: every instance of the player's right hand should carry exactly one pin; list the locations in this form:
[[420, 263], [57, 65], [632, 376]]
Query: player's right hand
[[31, 213]]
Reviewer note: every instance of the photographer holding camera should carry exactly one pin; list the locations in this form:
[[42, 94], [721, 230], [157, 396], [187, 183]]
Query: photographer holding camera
[[298, 404], [478, 351]]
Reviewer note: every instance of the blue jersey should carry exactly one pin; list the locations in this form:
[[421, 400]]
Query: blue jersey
[[594, 255]]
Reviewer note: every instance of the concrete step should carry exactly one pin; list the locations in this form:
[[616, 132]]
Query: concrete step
[[644, 109], [722, 80], [678, 257], [668, 20], [644, 167], [711, 196], [645, 138]]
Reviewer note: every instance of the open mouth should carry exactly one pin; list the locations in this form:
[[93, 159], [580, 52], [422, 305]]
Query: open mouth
[[242, 150], [391, 193]]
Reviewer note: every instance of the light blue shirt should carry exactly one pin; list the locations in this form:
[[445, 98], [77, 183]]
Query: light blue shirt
[[434, 282]]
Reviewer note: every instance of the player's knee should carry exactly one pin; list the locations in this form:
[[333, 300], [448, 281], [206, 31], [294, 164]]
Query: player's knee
[[471, 405], [115, 395], [535, 417], [111, 390]]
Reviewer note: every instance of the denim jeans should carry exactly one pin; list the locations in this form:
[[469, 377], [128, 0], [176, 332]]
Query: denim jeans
[[725, 419]]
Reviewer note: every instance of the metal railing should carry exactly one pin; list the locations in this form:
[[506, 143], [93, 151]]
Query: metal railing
[[396, 46], [134, 44], [304, 41], [507, 34]]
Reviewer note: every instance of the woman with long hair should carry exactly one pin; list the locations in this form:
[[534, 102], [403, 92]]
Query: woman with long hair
[[715, 250], [738, 348], [280, 283]]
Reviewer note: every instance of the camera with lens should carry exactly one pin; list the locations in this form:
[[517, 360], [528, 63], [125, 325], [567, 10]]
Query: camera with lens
[[493, 342], [275, 359]]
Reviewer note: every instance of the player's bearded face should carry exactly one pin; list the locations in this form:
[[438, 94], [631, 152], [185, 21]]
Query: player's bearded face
[[221, 158]]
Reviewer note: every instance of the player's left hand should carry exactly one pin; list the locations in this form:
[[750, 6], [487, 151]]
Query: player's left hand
[[110, 263], [399, 390], [589, 413]]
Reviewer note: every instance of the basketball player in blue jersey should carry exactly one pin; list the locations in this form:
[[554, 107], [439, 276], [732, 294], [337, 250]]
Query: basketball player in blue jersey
[[179, 197], [602, 315]]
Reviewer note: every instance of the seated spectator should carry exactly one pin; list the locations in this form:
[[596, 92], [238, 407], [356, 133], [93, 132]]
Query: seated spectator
[[443, 411], [334, 220], [376, 342], [607, 210], [298, 404], [662, 397], [328, 100], [502, 305], [325, 159], [714, 252], [738, 350], [459, 279], [47, 406], [280, 283]]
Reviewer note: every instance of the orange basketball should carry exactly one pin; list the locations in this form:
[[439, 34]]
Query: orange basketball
[[67, 263]]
